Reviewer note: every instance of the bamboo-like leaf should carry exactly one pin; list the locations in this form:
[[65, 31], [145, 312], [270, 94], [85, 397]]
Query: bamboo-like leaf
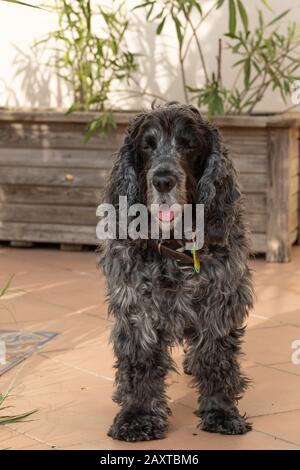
[[16, 418], [7, 419], [142, 5], [279, 17], [247, 72], [22, 3], [256, 66], [197, 5], [261, 20], [4, 289], [267, 4], [220, 3], [178, 30], [160, 26], [150, 11], [239, 62], [243, 14], [232, 18]]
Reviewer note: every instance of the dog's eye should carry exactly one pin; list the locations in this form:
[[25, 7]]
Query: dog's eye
[[149, 143]]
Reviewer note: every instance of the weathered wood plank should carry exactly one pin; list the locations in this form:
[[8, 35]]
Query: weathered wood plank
[[238, 121], [95, 178], [294, 221], [77, 234], [250, 163], [278, 206], [61, 195], [256, 203], [295, 134], [35, 213], [294, 184], [253, 183], [295, 166], [74, 215], [257, 223], [258, 242], [248, 139], [246, 148], [284, 120], [244, 132], [56, 135], [294, 236], [56, 158], [91, 158], [48, 233], [295, 202], [46, 116]]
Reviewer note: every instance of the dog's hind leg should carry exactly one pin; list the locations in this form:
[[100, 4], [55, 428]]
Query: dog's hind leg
[[216, 373], [140, 389], [186, 366], [187, 369]]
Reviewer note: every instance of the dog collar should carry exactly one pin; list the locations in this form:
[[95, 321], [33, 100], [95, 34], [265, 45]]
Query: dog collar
[[175, 249]]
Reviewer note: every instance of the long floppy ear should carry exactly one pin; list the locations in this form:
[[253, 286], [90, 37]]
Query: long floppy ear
[[218, 190], [123, 178]]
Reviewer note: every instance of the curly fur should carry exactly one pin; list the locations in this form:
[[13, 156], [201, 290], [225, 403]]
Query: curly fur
[[157, 303]]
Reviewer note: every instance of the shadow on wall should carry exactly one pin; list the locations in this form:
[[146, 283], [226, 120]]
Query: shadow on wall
[[39, 85], [35, 83], [159, 74]]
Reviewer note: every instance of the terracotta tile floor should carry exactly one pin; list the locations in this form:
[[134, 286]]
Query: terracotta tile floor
[[70, 381]]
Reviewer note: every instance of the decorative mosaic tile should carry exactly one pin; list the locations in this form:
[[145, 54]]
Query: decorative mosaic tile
[[15, 346]]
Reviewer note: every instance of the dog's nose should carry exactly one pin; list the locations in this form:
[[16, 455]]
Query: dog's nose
[[164, 183]]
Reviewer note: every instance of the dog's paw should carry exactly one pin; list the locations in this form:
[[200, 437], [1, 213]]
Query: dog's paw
[[224, 422], [137, 428]]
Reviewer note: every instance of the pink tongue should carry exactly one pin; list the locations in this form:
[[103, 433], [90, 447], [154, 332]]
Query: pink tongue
[[166, 216]]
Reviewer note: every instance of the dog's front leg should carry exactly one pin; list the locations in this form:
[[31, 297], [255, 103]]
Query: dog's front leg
[[142, 364], [215, 367]]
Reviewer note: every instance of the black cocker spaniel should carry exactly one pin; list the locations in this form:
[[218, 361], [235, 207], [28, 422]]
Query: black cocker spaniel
[[171, 155]]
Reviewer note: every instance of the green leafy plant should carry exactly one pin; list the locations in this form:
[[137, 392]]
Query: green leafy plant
[[91, 55], [266, 57], [5, 288], [9, 419], [20, 3]]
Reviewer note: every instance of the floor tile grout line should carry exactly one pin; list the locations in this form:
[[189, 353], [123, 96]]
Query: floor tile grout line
[[33, 438], [80, 369], [21, 292], [277, 438], [270, 366], [274, 413], [68, 310], [284, 363], [280, 325]]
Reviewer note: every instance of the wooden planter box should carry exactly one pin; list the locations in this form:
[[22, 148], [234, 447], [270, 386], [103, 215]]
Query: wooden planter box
[[51, 181], [265, 151]]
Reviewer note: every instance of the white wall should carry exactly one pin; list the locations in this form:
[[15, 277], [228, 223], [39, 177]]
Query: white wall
[[27, 81]]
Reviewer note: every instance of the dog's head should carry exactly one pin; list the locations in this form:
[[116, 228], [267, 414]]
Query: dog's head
[[171, 157]]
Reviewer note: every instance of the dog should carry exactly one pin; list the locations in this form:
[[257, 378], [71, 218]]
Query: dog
[[171, 154]]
